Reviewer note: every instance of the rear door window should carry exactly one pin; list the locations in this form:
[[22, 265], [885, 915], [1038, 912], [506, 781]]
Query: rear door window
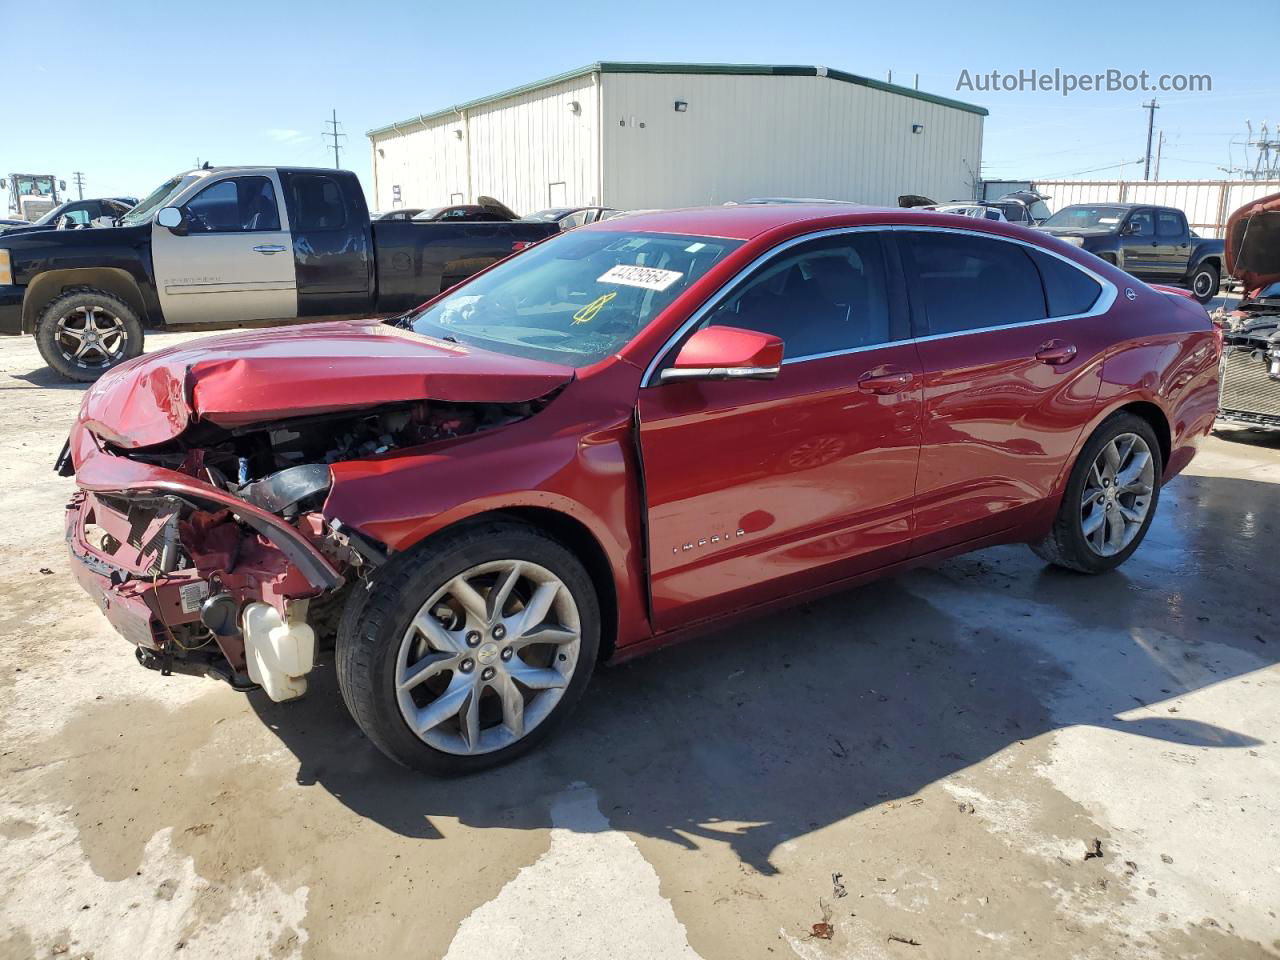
[[318, 203], [966, 282], [1170, 224]]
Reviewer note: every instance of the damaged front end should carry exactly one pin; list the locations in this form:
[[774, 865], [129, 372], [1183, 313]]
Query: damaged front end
[[213, 552], [1250, 373]]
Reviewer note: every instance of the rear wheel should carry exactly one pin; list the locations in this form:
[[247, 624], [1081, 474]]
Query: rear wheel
[[466, 654], [1205, 282], [84, 333], [1110, 498]]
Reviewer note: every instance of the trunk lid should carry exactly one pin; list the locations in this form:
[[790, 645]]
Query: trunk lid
[[259, 376]]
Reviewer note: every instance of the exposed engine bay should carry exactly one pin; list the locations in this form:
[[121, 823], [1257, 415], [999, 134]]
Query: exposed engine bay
[[1250, 375], [237, 576]]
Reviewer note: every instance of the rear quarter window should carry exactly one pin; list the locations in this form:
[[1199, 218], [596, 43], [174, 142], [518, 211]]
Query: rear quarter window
[[1068, 290]]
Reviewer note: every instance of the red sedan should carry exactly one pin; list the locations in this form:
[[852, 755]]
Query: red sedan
[[628, 433]]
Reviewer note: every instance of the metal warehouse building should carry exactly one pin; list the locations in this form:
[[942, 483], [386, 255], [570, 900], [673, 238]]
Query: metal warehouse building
[[640, 135]]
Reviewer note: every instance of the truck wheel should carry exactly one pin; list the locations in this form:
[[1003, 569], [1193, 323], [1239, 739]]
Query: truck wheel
[[466, 653], [85, 332], [1205, 281], [1110, 498]]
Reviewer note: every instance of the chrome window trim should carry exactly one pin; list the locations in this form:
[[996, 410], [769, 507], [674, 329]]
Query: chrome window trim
[[1106, 299]]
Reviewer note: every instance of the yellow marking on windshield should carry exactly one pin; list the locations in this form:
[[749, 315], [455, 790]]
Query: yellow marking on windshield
[[588, 313]]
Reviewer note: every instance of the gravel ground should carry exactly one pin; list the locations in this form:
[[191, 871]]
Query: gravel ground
[[924, 764]]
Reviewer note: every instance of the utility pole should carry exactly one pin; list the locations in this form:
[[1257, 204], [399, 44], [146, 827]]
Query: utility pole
[[1159, 150], [79, 184], [336, 135], [1151, 109]]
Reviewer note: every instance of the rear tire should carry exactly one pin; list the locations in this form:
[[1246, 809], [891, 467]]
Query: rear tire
[[1205, 282], [1092, 497], [83, 333], [490, 693]]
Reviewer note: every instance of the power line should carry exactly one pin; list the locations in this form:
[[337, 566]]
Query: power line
[[335, 135], [79, 177]]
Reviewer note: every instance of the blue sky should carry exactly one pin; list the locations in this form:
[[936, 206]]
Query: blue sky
[[130, 92]]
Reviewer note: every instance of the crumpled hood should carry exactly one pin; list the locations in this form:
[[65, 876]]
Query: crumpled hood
[[264, 375], [1252, 246]]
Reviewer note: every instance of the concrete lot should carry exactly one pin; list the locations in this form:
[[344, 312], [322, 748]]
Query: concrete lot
[[951, 743]]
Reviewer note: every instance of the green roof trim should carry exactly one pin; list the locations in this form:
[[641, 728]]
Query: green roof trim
[[721, 69]]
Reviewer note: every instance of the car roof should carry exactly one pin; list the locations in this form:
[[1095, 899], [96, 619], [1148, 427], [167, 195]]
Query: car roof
[[746, 221]]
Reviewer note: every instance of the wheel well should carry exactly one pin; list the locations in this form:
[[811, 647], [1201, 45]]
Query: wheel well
[[578, 538], [1109, 257], [1156, 418], [53, 283], [1217, 263]]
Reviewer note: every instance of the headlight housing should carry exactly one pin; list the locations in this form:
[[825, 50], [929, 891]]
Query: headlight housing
[[6, 269], [1075, 241]]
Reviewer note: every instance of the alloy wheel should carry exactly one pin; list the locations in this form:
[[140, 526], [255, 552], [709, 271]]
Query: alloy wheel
[[487, 657], [1117, 495], [91, 336]]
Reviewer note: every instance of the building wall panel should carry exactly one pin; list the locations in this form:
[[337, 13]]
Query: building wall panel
[[745, 136]]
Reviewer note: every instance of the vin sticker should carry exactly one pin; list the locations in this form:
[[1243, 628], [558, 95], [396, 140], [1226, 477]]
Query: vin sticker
[[192, 595], [649, 278]]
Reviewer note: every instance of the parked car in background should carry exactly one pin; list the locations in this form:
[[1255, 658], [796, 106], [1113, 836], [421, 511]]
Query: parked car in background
[[79, 213], [632, 431], [1251, 351], [1151, 243], [401, 213], [5, 224], [487, 210], [570, 217], [1025, 207], [975, 209], [228, 246]]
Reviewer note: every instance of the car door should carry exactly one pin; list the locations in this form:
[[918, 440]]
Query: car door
[[231, 259], [756, 490], [1138, 243], [1010, 342], [1173, 241]]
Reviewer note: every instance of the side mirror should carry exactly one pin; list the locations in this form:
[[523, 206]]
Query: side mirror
[[172, 218], [726, 353], [1129, 229]]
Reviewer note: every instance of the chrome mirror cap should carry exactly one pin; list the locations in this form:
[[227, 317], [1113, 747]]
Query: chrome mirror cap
[[169, 217]]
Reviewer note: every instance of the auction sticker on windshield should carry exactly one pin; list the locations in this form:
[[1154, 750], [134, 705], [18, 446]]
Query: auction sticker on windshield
[[650, 278]]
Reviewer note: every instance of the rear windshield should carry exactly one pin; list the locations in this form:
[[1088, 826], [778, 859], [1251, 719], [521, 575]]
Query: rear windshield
[[573, 299]]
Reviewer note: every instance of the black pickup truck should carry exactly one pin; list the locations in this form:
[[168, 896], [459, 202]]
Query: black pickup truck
[[232, 246], [1152, 243]]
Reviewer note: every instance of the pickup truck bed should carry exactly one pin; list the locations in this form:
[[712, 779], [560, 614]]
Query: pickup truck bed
[[232, 246]]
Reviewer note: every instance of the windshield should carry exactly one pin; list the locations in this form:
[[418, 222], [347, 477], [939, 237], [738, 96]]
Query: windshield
[[154, 201], [573, 299], [547, 216], [1085, 217], [49, 217]]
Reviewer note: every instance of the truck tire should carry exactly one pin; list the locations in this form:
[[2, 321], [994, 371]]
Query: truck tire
[[1205, 281], [1110, 499], [436, 660], [84, 332]]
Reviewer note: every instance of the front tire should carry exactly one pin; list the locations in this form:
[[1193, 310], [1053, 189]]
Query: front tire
[[1205, 282], [85, 332], [1110, 498], [470, 650]]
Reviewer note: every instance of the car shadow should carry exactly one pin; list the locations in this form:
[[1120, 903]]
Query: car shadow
[[759, 734], [46, 378]]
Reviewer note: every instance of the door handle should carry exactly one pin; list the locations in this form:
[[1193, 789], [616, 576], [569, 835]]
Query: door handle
[[1056, 352], [269, 248], [885, 383]]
